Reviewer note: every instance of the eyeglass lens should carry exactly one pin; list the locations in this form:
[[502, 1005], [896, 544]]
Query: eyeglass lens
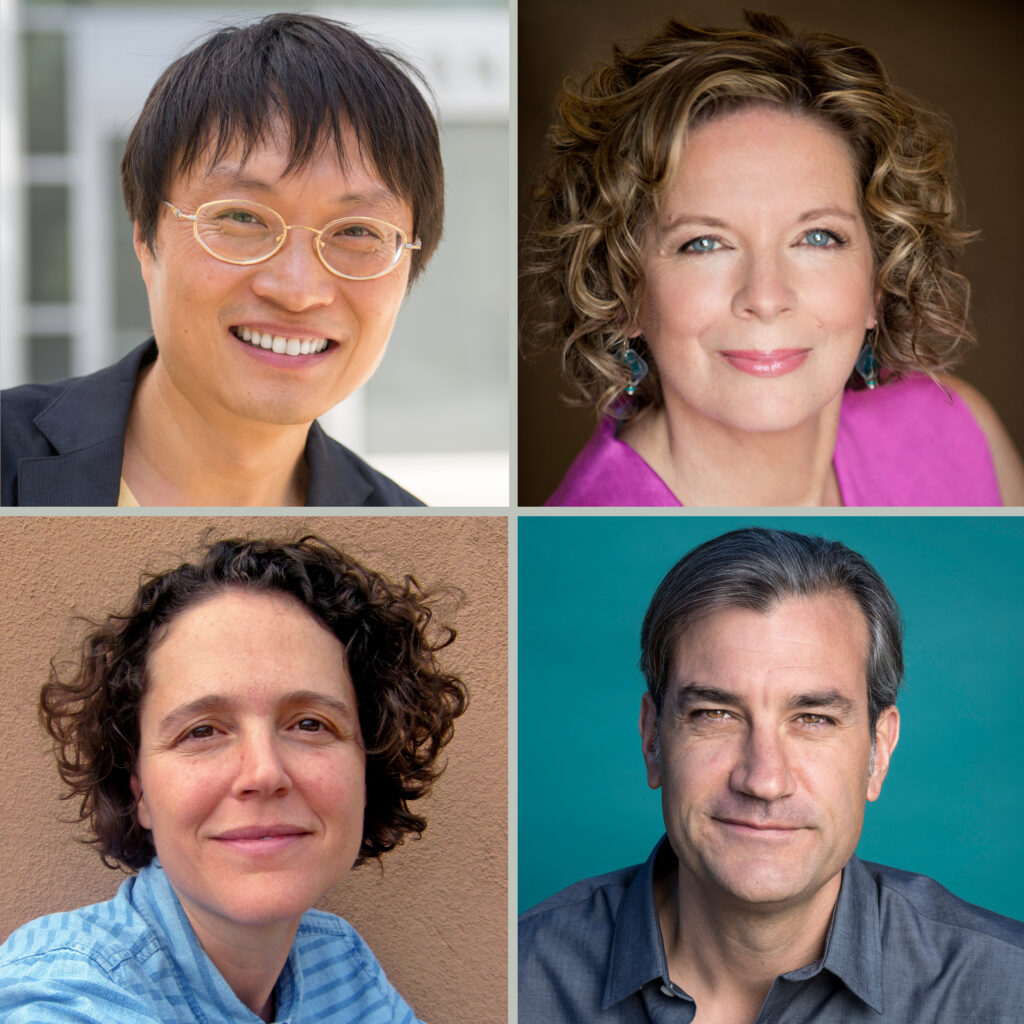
[[245, 232]]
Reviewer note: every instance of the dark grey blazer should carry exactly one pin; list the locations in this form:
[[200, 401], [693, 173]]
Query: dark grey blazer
[[63, 444]]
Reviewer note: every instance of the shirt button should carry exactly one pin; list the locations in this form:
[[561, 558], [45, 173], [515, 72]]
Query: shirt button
[[668, 991]]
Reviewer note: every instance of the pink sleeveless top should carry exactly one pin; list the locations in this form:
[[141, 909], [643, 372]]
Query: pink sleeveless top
[[904, 444]]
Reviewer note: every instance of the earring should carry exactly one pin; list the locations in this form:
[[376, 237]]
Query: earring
[[867, 365], [637, 369]]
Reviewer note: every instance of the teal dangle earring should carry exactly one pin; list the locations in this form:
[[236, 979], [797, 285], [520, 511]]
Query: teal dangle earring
[[637, 369], [867, 365]]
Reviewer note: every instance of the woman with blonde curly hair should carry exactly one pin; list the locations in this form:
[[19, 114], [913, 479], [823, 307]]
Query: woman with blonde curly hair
[[255, 723], [744, 251]]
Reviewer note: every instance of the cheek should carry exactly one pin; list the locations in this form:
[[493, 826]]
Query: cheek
[[336, 783], [680, 309], [843, 299], [183, 795]]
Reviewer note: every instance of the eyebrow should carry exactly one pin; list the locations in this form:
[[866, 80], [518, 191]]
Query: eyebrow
[[705, 220], [829, 699], [228, 176], [220, 702]]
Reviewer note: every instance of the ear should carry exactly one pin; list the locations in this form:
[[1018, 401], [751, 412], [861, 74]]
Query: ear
[[649, 740], [142, 251], [141, 810], [887, 734], [876, 301]]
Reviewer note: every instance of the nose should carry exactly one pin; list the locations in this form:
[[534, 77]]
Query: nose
[[762, 767], [261, 770], [294, 278], [764, 291]]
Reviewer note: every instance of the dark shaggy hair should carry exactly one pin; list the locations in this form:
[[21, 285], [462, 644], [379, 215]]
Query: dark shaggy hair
[[615, 150], [757, 568], [315, 76], [407, 704]]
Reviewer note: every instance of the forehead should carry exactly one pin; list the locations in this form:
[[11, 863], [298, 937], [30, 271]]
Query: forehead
[[268, 170], [799, 643], [247, 642], [763, 154]]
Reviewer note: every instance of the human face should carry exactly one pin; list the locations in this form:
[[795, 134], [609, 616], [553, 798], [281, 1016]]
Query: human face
[[758, 273], [249, 729], [765, 750], [199, 304]]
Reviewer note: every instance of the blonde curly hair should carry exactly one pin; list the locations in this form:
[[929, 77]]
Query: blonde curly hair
[[615, 146]]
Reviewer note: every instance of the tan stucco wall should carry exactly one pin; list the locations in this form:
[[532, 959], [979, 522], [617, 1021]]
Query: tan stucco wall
[[437, 919]]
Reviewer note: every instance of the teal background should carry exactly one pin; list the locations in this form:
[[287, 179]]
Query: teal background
[[953, 804]]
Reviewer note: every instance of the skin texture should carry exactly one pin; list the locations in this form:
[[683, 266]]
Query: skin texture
[[784, 742], [213, 400], [743, 256], [270, 750]]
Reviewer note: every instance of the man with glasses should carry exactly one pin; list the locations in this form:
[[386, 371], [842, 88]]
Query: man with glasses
[[286, 187]]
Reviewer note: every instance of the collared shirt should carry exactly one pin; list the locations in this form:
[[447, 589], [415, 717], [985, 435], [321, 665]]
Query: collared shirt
[[63, 444], [136, 960], [900, 948]]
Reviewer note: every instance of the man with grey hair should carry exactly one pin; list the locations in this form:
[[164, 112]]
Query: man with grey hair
[[773, 662]]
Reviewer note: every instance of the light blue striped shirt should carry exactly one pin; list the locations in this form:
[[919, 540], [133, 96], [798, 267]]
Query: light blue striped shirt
[[136, 960]]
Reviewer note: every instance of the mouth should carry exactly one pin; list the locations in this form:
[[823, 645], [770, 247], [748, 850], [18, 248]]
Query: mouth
[[262, 841], [257, 832], [280, 344], [775, 363], [759, 829]]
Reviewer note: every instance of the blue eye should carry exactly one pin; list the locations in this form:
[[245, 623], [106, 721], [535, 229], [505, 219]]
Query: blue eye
[[821, 239], [703, 244]]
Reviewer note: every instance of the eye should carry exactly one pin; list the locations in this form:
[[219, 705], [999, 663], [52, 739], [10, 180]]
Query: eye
[[819, 238], [311, 725], [705, 243], [816, 721], [712, 715], [200, 732]]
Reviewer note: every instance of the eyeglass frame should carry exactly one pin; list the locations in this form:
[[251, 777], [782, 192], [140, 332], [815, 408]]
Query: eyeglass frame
[[318, 244]]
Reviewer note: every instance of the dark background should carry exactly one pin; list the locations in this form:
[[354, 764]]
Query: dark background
[[964, 58]]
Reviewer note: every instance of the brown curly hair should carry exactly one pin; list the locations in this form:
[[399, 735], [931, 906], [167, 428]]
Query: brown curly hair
[[407, 704], [615, 147]]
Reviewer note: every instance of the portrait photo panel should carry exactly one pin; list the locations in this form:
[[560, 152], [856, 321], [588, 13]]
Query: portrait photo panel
[[948, 805], [434, 909]]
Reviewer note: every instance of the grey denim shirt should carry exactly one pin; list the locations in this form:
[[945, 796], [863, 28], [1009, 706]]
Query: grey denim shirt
[[900, 948]]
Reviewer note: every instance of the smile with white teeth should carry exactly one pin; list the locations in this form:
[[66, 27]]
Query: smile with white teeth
[[278, 343]]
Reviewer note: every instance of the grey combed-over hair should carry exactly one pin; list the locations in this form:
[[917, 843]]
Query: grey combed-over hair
[[757, 568]]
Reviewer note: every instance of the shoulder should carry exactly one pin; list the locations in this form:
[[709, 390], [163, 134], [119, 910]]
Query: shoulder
[[609, 472], [950, 934], [20, 406], [339, 967], [1008, 465], [47, 966], [913, 442], [340, 477], [590, 903]]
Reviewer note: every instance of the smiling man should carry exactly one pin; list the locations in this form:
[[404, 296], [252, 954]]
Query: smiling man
[[286, 188], [773, 662]]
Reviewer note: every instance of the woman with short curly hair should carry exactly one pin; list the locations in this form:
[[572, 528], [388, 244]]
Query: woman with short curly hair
[[744, 251], [255, 724]]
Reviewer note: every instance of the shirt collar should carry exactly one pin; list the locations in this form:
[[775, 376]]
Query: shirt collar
[[637, 951], [198, 978], [853, 946]]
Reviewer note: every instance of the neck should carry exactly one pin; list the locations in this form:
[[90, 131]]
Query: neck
[[250, 958], [707, 463], [727, 954], [178, 454]]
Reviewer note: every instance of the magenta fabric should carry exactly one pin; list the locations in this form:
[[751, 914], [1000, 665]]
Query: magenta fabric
[[903, 444]]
